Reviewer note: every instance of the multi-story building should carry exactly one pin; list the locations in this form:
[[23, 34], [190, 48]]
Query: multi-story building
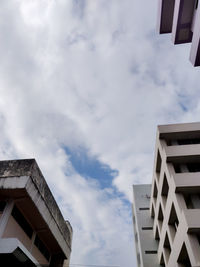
[[33, 231], [182, 19], [167, 216]]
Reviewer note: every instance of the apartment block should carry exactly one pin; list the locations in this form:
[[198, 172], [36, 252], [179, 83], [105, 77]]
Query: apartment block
[[173, 218], [181, 18], [33, 231]]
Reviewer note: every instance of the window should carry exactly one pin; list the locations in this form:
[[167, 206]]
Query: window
[[19, 218], [147, 228], [42, 248], [150, 251], [145, 208]]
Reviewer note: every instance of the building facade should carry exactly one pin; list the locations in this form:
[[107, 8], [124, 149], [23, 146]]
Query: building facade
[[174, 203], [181, 18], [33, 231]]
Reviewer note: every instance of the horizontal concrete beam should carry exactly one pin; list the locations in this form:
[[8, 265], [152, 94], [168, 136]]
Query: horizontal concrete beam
[[183, 153], [187, 182]]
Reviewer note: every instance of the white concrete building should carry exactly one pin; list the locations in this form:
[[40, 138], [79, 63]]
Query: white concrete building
[[174, 205], [181, 18], [33, 231]]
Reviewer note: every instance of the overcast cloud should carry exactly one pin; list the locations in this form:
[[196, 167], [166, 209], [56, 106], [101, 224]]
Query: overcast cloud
[[93, 76]]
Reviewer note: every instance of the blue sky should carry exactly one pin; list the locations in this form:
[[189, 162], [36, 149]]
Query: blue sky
[[83, 86], [90, 167]]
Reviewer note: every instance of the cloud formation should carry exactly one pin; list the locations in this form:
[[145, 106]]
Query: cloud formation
[[95, 75]]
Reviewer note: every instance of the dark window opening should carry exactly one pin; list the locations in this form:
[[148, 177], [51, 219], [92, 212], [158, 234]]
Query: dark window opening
[[196, 6], [165, 187], [2, 206], [190, 167], [188, 201], [150, 251], [152, 212], [188, 141], [146, 208], [165, 190], [192, 201], [183, 142], [155, 190], [183, 257], [42, 248], [167, 246], [193, 167], [177, 168], [157, 237], [19, 218], [158, 163], [173, 222], [160, 217], [160, 214], [173, 219], [162, 262], [147, 228], [198, 237]]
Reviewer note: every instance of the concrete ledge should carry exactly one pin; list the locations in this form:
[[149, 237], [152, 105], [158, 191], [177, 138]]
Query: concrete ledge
[[11, 245]]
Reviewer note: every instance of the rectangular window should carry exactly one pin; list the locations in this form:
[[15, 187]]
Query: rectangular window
[[19, 218], [147, 228], [150, 251], [146, 208], [42, 248]]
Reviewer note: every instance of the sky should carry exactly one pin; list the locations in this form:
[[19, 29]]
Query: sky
[[83, 86]]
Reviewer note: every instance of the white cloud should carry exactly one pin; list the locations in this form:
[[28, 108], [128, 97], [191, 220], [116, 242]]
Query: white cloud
[[93, 74]]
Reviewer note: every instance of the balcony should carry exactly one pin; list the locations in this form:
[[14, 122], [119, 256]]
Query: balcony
[[188, 182], [183, 154], [192, 217]]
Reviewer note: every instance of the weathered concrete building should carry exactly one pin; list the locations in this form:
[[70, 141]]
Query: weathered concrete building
[[166, 214], [33, 231]]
